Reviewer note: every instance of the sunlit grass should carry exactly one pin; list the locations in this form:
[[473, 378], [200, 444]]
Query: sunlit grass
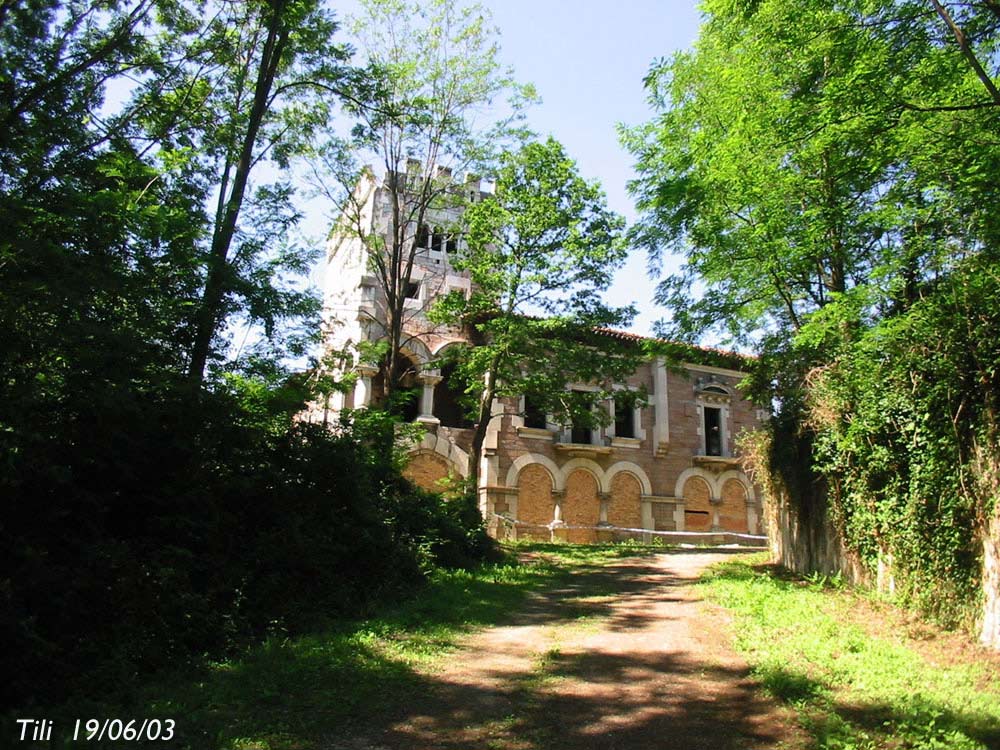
[[851, 690]]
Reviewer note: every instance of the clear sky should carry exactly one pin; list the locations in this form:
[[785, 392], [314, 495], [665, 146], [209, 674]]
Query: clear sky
[[588, 58]]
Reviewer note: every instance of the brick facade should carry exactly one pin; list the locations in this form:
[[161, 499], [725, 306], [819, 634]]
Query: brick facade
[[678, 470]]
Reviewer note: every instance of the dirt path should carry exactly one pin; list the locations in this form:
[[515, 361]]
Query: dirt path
[[625, 656]]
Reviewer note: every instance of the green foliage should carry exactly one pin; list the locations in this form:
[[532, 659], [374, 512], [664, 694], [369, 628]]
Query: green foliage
[[826, 181], [200, 532], [148, 518], [851, 688], [903, 418], [540, 251]]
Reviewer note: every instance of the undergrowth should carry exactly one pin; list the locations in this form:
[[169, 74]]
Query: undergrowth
[[294, 693]]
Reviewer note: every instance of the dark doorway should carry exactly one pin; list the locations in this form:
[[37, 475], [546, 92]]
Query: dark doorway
[[624, 415], [713, 431], [448, 399]]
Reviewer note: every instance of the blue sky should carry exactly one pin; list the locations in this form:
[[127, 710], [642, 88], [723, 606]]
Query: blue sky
[[588, 59]]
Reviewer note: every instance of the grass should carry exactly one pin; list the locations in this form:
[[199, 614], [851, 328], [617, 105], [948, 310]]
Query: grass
[[296, 693], [851, 689]]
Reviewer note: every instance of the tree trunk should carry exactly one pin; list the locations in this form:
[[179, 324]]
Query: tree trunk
[[479, 436], [990, 632], [209, 315], [967, 52], [482, 425]]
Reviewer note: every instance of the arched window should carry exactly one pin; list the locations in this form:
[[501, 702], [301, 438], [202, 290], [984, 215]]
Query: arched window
[[406, 400], [437, 237], [423, 237]]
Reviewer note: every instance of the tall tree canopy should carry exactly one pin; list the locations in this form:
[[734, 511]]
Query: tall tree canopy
[[160, 500], [827, 172], [435, 102], [540, 252]]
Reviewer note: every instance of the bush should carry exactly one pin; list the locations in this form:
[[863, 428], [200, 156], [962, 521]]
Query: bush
[[144, 530]]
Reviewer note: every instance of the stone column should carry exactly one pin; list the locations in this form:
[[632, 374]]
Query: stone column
[[679, 520], [557, 499], [363, 385], [605, 500], [427, 399]]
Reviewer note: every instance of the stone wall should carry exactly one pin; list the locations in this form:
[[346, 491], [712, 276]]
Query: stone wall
[[803, 538]]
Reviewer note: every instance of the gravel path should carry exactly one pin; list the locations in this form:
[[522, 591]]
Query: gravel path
[[627, 656]]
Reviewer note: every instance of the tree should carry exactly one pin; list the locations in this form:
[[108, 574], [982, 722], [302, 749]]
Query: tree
[[225, 97], [826, 182], [539, 253], [432, 72]]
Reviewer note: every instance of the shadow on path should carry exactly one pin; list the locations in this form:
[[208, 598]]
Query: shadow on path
[[623, 655]]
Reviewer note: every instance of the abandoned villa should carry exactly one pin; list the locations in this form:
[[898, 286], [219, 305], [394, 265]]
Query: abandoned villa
[[668, 463]]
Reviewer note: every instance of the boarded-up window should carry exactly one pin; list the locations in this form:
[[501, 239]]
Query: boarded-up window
[[733, 511], [535, 504], [581, 506], [663, 517], [625, 506], [697, 505], [697, 520], [426, 470]]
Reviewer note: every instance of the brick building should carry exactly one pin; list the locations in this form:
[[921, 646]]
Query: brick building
[[667, 464]]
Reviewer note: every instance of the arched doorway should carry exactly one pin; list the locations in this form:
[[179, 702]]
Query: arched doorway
[[625, 505], [733, 510], [428, 471], [535, 505], [581, 506], [448, 393]]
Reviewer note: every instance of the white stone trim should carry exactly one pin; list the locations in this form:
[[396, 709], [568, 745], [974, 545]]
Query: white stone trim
[[715, 370], [416, 350], [696, 471], [631, 468], [558, 481], [436, 353], [661, 408], [445, 448]]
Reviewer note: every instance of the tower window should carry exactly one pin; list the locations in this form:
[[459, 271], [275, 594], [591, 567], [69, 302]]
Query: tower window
[[413, 290], [423, 237]]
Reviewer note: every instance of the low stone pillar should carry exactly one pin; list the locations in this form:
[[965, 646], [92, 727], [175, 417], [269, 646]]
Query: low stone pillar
[[427, 399], [363, 385]]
